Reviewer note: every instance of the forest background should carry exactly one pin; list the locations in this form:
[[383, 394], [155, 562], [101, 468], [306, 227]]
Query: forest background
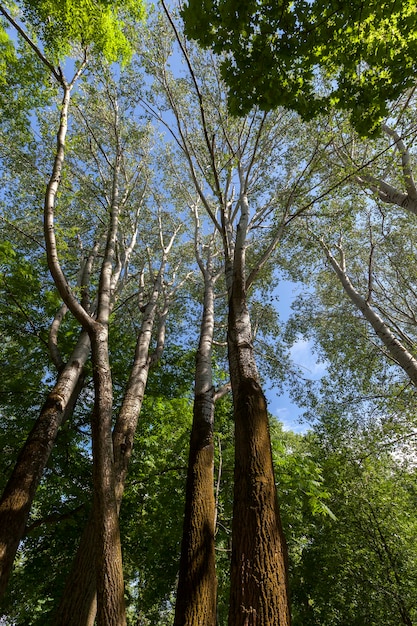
[[153, 167]]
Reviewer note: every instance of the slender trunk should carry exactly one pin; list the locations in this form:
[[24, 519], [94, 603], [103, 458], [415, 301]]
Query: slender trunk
[[20, 490], [108, 559], [197, 584], [259, 585], [78, 603]]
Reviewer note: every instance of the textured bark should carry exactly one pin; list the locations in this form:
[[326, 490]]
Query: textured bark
[[78, 603], [108, 561], [259, 586], [20, 490], [197, 584], [108, 555]]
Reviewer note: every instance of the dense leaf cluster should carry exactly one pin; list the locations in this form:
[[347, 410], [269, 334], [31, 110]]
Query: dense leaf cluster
[[309, 56]]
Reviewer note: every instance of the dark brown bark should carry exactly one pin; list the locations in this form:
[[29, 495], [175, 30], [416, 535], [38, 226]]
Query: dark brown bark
[[259, 593], [197, 586], [259, 585], [20, 490], [108, 557], [78, 602]]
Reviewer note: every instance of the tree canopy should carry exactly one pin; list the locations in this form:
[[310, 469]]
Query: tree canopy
[[311, 56], [61, 26]]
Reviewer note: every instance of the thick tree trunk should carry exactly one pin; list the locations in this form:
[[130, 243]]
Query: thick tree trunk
[[108, 558], [197, 584], [20, 490], [259, 585], [78, 603]]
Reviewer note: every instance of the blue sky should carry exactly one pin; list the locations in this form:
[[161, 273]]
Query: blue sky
[[280, 404]]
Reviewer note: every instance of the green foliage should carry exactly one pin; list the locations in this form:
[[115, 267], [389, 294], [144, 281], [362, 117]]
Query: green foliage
[[7, 54], [277, 51], [57, 518], [24, 85], [344, 487], [87, 23], [153, 506], [366, 557]]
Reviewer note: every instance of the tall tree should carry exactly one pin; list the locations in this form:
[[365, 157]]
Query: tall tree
[[365, 555], [59, 34], [78, 602], [226, 160], [358, 229], [197, 586]]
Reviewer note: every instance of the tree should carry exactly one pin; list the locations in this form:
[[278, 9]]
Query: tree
[[197, 586], [365, 553], [227, 160], [264, 191], [275, 53], [59, 34], [78, 602], [358, 229]]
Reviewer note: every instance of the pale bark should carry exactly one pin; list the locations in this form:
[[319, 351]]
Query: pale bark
[[54, 351], [109, 572], [19, 492], [49, 230], [395, 348], [387, 193]]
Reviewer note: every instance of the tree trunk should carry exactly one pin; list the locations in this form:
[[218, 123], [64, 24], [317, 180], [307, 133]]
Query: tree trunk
[[197, 584], [78, 603], [20, 490], [395, 348], [259, 585], [108, 554], [108, 559]]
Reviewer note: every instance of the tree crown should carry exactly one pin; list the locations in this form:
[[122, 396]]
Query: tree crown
[[309, 56]]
